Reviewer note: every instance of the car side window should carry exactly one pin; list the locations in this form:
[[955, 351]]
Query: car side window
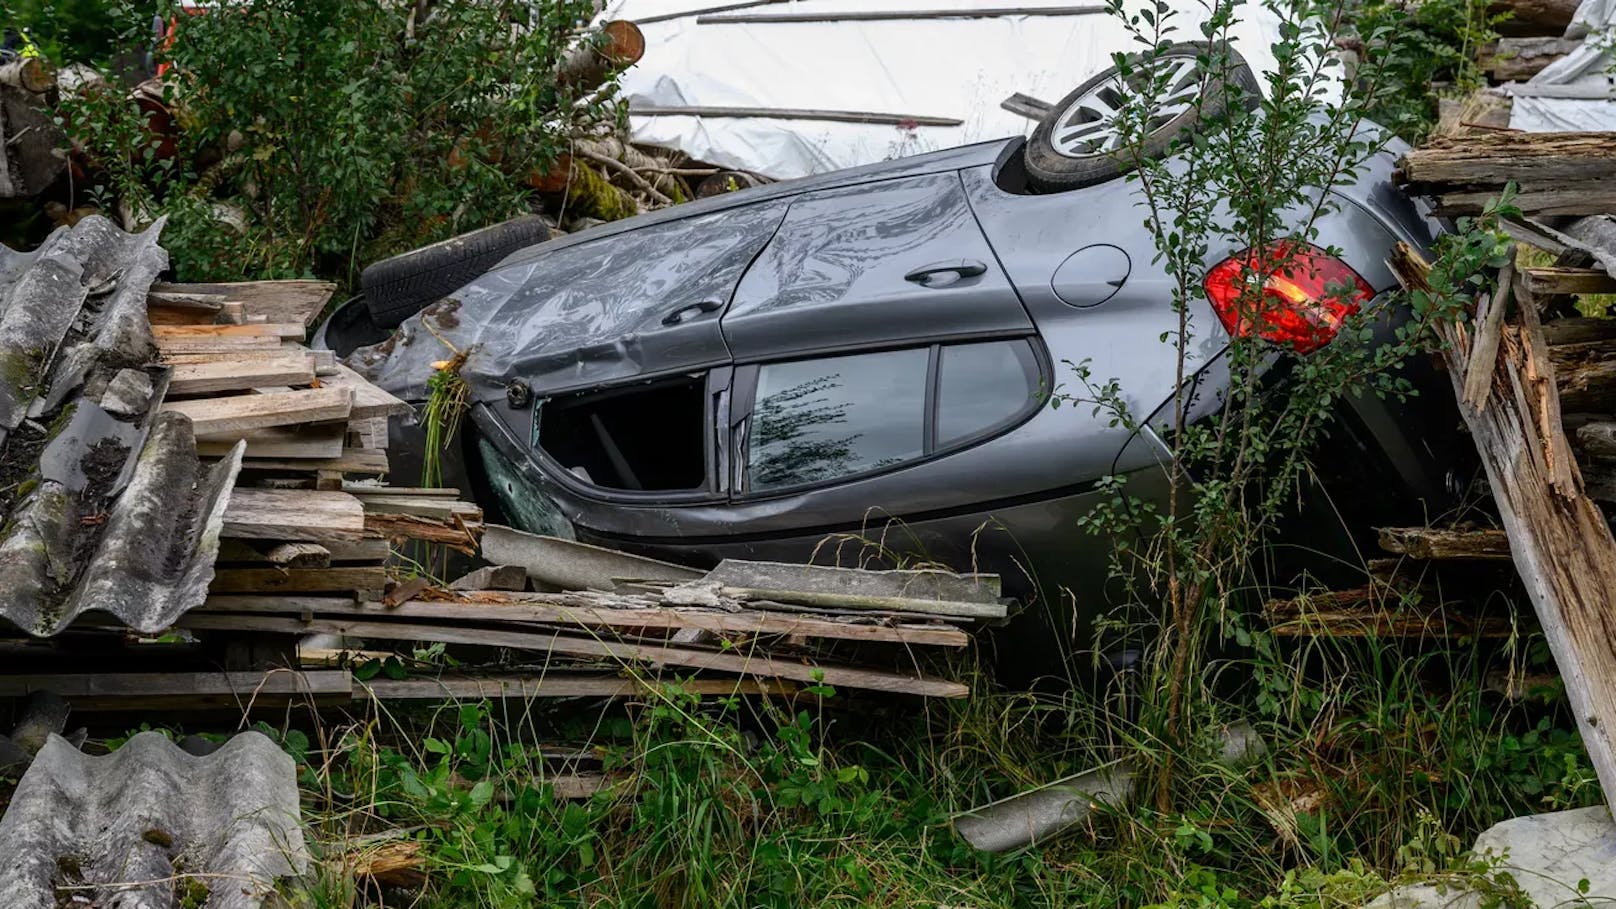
[[981, 387], [825, 419], [817, 420]]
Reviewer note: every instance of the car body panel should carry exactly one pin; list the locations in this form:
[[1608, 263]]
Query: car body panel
[[845, 270]]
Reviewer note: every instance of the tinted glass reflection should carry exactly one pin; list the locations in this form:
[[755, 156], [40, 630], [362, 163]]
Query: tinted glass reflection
[[982, 385]]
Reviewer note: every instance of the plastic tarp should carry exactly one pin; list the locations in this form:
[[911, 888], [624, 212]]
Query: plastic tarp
[[1578, 91], [959, 68]]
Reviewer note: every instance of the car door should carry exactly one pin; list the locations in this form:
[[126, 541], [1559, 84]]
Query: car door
[[885, 263]]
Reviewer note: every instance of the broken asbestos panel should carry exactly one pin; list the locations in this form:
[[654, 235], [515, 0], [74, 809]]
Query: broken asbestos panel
[[151, 826], [105, 504]]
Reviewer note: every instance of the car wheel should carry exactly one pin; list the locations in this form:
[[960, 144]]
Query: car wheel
[[1077, 143], [402, 286]]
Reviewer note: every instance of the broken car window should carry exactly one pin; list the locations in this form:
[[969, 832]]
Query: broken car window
[[641, 438]]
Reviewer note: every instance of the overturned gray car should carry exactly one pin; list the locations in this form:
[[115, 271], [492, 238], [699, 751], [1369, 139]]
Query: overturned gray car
[[856, 367]]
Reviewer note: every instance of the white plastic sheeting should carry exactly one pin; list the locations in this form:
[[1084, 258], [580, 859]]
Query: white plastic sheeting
[[1578, 91], [959, 68]]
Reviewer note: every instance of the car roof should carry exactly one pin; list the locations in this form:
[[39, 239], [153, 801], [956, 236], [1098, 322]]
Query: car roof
[[932, 162]]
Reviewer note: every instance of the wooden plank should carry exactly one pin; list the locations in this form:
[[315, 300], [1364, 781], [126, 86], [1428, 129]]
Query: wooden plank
[[421, 507], [217, 345], [350, 460], [555, 685], [375, 489], [113, 691], [593, 611], [275, 352], [283, 330], [242, 413], [293, 514], [1519, 59], [289, 368], [369, 401], [299, 555], [410, 527], [1551, 280], [280, 301], [1440, 543], [315, 441], [746, 664], [245, 552], [298, 580]]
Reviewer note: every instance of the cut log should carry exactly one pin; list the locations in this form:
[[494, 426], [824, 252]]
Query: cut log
[[243, 413], [34, 75], [293, 514], [618, 45], [1439, 543]]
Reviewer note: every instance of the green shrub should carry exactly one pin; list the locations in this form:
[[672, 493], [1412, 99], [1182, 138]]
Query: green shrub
[[339, 131]]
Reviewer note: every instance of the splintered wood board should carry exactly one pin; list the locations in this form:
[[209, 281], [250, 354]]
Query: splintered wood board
[[290, 368], [242, 413], [259, 553], [419, 506], [293, 514], [315, 441], [369, 401], [279, 301]]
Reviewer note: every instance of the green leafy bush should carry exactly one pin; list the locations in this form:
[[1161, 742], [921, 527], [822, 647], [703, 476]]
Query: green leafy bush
[[316, 136]]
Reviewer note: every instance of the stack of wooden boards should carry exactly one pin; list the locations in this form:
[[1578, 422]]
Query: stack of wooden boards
[[304, 517], [744, 627]]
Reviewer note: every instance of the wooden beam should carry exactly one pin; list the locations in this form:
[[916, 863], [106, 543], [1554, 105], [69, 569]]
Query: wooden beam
[[1548, 281], [1483, 543], [313, 441], [1561, 543], [243, 413], [557, 685], [283, 330], [293, 514], [279, 301], [298, 580], [183, 690], [349, 460], [595, 610], [369, 401], [1489, 332], [741, 663]]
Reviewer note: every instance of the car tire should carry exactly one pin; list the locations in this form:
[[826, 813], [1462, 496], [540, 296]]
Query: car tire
[[1051, 171], [405, 284]]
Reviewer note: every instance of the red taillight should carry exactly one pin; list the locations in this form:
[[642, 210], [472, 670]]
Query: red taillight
[[1304, 297]]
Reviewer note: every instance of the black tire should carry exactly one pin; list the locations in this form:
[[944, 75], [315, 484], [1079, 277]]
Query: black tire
[[1051, 172], [402, 286]]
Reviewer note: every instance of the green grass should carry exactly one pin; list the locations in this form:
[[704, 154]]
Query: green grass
[[1384, 762]]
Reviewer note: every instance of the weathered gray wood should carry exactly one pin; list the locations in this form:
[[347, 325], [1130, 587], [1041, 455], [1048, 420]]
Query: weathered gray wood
[[369, 401], [298, 580], [313, 441], [1533, 17], [1561, 543], [300, 555], [280, 301], [600, 610], [348, 460], [191, 690], [419, 506], [755, 664], [553, 685], [289, 368], [293, 514], [1598, 439], [1544, 281], [1519, 59], [908, 584], [243, 413]]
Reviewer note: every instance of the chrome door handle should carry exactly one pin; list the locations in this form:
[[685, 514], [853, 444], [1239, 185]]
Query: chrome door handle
[[931, 275], [694, 309]]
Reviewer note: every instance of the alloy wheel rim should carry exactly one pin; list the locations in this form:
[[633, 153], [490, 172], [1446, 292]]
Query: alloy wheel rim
[[1087, 127]]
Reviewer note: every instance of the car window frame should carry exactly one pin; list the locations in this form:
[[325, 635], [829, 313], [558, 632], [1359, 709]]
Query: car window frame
[[743, 398], [717, 383]]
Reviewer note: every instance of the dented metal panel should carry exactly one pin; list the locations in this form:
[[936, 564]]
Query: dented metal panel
[[151, 827], [106, 506]]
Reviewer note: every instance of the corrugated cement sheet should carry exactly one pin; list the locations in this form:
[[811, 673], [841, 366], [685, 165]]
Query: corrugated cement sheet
[[152, 827], [105, 504]]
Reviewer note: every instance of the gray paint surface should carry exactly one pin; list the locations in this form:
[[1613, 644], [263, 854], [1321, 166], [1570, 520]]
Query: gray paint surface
[[124, 826], [112, 510]]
